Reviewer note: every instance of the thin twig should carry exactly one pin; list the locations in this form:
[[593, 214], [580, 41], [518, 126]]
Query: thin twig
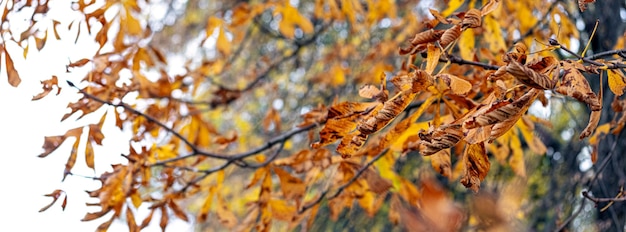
[[341, 188], [571, 217], [149, 118], [602, 199]]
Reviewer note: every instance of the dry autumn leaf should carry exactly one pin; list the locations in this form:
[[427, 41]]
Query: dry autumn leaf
[[476, 166], [575, 85]]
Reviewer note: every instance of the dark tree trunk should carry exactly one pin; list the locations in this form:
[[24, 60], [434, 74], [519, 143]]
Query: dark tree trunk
[[610, 178]]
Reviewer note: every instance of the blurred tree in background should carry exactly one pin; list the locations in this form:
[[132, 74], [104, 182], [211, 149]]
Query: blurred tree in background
[[342, 114]]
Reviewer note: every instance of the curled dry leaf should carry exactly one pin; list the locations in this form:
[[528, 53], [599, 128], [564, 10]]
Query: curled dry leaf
[[441, 138], [418, 43], [476, 166], [575, 85], [530, 77], [438, 16], [501, 111], [415, 81], [450, 35], [594, 119], [472, 19]]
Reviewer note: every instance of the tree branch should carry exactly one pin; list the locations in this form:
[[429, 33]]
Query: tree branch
[[341, 188]]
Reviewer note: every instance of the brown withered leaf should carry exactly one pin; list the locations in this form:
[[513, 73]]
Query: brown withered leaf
[[594, 119], [476, 166], [441, 138], [450, 35], [438, 16], [502, 127], [415, 81], [502, 111], [530, 77], [472, 19], [47, 87], [177, 210], [378, 119], [342, 120], [575, 85], [426, 37]]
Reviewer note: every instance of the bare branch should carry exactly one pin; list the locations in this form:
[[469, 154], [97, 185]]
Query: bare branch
[[341, 188]]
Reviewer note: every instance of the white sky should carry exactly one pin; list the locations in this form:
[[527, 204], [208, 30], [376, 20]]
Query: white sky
[[23, 125]]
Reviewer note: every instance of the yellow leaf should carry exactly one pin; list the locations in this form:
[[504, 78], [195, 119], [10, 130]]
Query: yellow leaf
[[517, 158], [617, 82], [493, 34], [526, 128], [467, 45], [206, 206], [223, 45], [281, 210], [433, 54], [602, 129], [452, 6], [292, 18]]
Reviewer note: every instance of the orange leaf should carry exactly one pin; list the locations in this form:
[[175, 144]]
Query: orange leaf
[[47, 87], [14, 77], [476, 166], [79, 63], [89, 155], [293, 188], [281, 210]]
